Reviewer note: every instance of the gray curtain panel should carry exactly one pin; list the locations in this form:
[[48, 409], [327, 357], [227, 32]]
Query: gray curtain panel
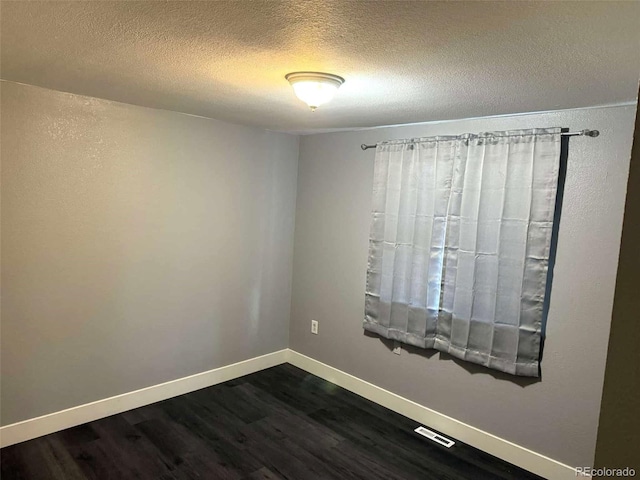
[[459, 245]]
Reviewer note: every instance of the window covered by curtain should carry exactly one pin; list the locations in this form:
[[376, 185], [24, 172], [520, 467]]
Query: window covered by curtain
[[459, 244]]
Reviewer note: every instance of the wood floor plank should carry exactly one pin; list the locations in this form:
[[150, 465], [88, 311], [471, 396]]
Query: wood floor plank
[[220, 444], [288, 459], [354, 463], [78, 435], [278, 424], [406, 450], [122, 443], [263, 474], [98, 462], [45, 458], [231, 401]]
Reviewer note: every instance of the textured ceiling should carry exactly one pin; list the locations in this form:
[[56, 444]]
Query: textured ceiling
[[403, 61]]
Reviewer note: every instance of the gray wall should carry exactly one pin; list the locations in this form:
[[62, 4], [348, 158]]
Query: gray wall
[[138, 246], [557, 416]]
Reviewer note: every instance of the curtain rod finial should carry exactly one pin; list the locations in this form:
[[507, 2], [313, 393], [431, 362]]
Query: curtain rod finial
[[363, 146], [591, 133]]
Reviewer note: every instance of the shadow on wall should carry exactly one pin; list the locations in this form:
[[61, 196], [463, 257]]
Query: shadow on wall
[[479, 369], [472, 368]]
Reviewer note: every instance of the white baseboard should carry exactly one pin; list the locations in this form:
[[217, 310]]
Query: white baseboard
[[53, 422], [508, 451]]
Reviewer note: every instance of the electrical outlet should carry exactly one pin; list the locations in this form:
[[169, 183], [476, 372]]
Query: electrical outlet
[[314, 327]]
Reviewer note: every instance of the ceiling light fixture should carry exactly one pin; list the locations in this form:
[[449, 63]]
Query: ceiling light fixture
[[314, 88]]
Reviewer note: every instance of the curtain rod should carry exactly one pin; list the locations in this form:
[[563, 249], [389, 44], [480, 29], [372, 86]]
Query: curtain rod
[[586, 132]]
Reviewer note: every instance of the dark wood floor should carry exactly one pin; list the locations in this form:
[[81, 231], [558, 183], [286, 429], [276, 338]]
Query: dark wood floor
[[281, 423]]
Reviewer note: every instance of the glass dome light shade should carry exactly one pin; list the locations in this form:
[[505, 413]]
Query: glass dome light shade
[[314, 88]]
